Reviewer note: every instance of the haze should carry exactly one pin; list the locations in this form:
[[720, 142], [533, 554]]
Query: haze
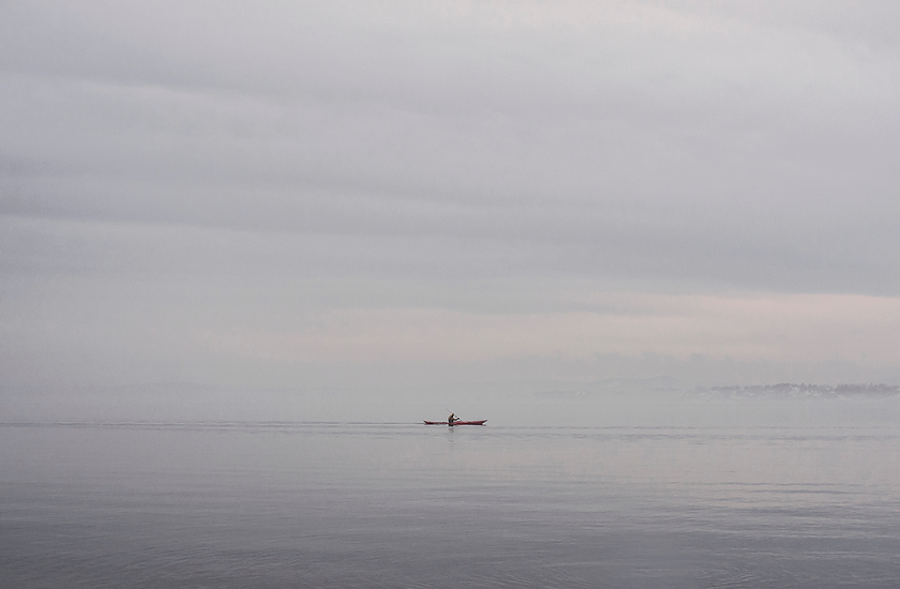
[[366, 195]]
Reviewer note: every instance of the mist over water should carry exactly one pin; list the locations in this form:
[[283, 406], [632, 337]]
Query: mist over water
[[651, 402]]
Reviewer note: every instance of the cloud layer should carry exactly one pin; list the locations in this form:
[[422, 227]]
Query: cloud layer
[[460, 183]]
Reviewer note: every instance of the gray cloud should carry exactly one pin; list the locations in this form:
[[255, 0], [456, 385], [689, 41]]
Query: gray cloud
[[483, 157]]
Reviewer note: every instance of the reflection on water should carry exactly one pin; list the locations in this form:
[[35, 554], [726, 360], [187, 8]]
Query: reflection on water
[[404, 505]]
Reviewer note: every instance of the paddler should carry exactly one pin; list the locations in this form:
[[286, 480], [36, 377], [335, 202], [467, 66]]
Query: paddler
[[453, 418]]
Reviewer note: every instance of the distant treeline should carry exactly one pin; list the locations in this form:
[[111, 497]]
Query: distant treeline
[[787, 389]]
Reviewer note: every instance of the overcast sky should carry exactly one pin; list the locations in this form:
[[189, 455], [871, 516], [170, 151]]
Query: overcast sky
[[294, 194]]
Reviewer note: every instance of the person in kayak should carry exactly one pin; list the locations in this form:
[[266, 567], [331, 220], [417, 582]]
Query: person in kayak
[[452, 419]]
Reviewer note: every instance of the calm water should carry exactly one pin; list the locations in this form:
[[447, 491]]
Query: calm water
[[407, 505]]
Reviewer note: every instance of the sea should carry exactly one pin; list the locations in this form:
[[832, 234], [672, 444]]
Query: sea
[[660, 491]]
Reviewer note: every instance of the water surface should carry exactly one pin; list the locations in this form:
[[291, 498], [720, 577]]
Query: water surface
[[274, 504]]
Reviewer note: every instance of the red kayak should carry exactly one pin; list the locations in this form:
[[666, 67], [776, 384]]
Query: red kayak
[[456, 422]]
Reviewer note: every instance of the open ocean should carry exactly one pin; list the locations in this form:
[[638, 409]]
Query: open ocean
[[289, 504]]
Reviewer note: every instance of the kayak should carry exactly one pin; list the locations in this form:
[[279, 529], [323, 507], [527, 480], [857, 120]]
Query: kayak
[[456, 422]]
